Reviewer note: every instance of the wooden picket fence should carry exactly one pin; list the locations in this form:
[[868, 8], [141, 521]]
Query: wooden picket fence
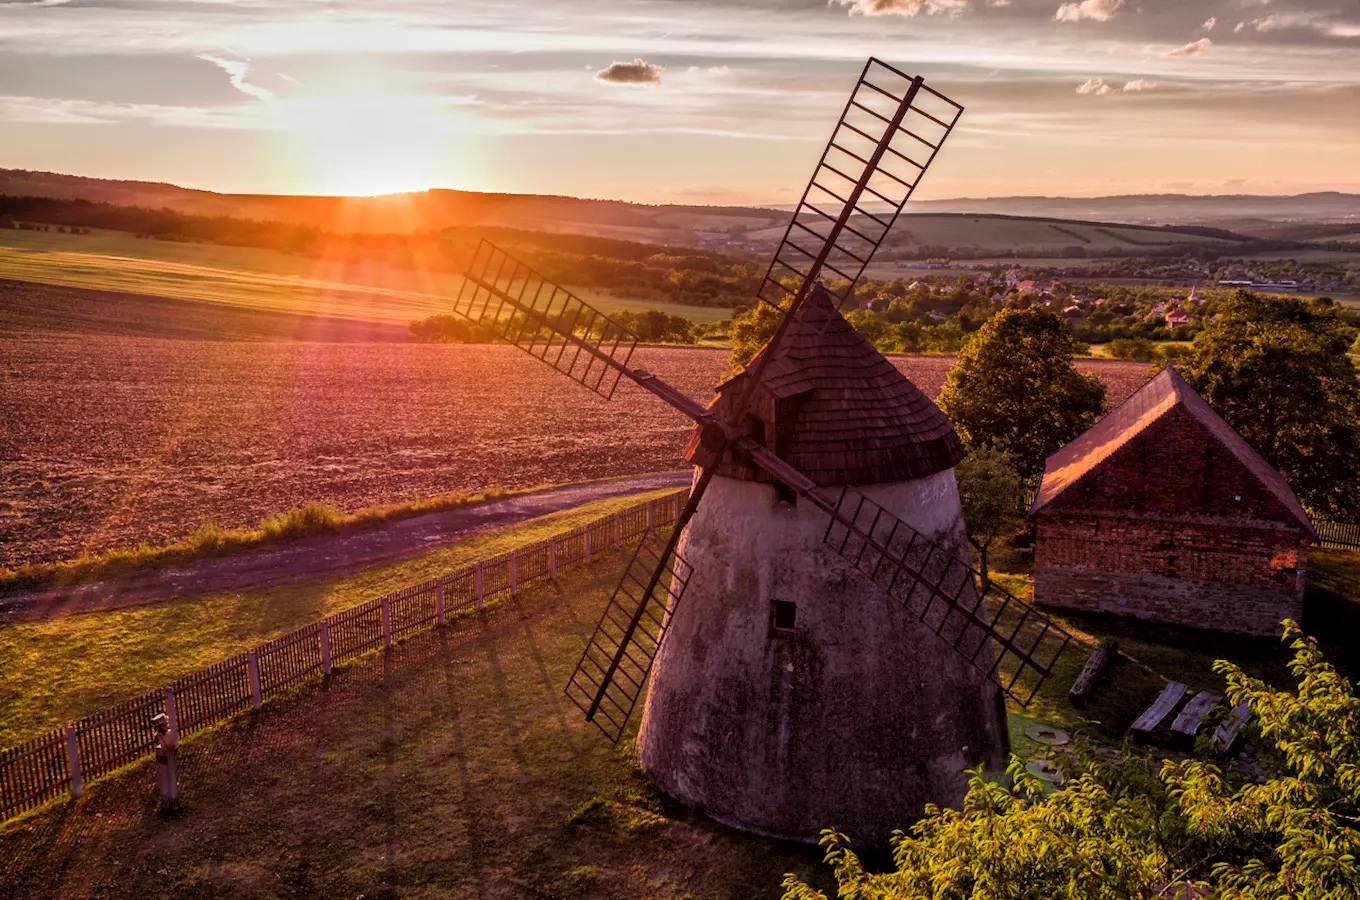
[[1338, 535], [62, 762]]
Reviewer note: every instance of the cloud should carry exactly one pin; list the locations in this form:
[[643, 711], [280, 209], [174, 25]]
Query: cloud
[[1139, 84], [1094, 86], [1096, 10], [1194, 48], [907, 7], [639, 71], [237, 70], [1209, 23]]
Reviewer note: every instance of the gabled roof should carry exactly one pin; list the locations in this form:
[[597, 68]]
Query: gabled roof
[[1165, 392], [842, 413]]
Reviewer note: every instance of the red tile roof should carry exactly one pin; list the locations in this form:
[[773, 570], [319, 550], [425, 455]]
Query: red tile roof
[[1145, 406], [836, 409]]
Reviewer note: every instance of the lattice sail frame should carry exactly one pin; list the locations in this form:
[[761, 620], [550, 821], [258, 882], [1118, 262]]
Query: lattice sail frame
[[1003, 637], [610, 676], [538, 316], [892, 127]]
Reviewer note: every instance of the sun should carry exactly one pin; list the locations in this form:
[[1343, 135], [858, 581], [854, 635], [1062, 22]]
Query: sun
[[367, 145]]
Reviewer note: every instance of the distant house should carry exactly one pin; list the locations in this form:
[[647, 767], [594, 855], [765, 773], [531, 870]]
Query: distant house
[[1177, 317], [1162, 511], [1035, 287]]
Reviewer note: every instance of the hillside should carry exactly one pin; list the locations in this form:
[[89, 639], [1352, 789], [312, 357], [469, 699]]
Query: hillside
[[305, 224]]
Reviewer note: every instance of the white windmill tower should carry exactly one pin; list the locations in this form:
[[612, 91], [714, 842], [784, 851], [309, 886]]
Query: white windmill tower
[[829, 659]]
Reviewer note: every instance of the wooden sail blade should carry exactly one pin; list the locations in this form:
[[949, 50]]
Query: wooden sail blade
[[890, 132], [614, 668], [618, 658], [999, 634], [507, 298]]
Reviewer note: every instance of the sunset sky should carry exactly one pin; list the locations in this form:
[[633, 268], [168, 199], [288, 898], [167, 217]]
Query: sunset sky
[[676, 100]]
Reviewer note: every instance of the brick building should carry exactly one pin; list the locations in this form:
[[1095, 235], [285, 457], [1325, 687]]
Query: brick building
[[1162, 511]]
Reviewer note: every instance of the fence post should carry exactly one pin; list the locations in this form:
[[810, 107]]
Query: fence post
[[439, 602], [73, 762], [618, 530], [552, 558], [326, 664], [514, 572], [675, 507], [477, 577], [387, 623], [253, 665], [650, 517], [587, 545], [171, 714]]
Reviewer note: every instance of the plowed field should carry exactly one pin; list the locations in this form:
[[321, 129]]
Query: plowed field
[[110, 441]]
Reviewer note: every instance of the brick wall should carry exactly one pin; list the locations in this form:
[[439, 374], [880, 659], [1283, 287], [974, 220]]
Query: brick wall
[[1238, 579], [1172, 527]]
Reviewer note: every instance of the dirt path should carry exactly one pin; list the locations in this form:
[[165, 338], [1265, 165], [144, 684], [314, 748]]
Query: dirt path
[[321, 555]]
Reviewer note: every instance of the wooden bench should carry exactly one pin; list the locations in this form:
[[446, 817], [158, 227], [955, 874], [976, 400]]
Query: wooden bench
[[1161, 708], [1226, 734], [1085, 684], [1188, 722]]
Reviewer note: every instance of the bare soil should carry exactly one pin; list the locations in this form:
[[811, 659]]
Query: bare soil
[[110, 441]]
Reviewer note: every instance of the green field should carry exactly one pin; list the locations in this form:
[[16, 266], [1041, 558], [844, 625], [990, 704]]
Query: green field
[[256, 279]]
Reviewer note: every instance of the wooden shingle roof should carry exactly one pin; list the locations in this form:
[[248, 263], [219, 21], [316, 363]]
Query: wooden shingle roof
[[1165, 392], [832, 406]]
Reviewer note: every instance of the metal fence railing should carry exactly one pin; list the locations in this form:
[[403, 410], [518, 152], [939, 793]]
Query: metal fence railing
[[61, 762]]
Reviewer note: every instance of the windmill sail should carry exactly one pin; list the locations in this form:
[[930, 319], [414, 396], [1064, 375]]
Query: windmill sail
[[515, 303], [1002, 636], [891, 130], [614, 667]]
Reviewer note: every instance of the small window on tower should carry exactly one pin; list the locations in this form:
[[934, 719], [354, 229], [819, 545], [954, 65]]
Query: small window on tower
[[785, 494], [785, 615]]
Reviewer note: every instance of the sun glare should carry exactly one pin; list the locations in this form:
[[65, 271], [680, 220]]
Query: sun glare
[[372, 145], [362, 135]]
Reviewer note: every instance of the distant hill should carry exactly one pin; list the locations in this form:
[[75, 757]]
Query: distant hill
[[438, 209], [1246, 213]]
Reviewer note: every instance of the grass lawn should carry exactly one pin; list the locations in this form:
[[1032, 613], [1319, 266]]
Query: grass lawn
[[60, 669], [255, 278], [452, 766]]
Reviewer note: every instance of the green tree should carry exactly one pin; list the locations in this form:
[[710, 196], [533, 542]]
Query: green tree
[[1277, 370], [1014, 388], [991, 492], [750, 330], [1124, 829]]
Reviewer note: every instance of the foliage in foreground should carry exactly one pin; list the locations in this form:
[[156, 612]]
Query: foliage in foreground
[[1121, 830], [1276, 369], [1014, 388]]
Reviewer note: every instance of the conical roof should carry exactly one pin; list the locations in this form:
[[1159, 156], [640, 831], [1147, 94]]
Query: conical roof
[[833, 407]]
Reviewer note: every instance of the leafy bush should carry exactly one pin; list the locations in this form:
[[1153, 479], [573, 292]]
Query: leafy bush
[[1123, 829]]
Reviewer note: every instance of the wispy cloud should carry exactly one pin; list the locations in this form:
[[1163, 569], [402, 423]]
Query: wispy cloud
[[1139, 84], [908, 7], [639, 71], [1194, 48], [1095, 87], [237, 70], [1096, 10]]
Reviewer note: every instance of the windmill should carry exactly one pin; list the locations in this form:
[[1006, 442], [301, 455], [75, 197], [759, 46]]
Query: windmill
[[820, 651]]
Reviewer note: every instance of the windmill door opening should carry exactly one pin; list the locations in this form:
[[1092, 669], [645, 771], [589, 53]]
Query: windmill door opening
[[785, 615]]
